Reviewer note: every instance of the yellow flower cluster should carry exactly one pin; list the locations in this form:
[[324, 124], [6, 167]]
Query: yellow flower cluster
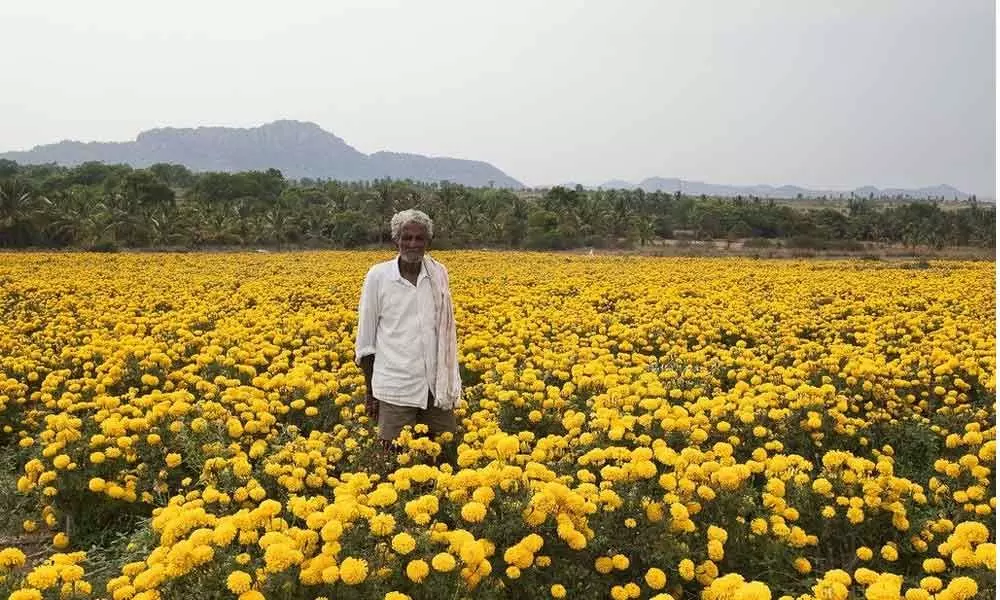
[[630, 428], [61, 574]]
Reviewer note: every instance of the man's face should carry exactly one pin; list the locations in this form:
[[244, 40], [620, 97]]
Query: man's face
[[413, 241]]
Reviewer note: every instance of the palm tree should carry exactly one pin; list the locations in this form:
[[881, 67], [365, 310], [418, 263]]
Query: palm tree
[[592, 213], [18, 212], [447, 204]]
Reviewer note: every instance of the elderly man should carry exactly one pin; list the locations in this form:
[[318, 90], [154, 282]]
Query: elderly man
[[406, 341]]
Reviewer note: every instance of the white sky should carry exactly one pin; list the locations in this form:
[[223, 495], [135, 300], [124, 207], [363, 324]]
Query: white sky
[[828, 94]]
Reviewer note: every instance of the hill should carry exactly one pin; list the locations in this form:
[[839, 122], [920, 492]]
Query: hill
[[298, 149], [697, 188]]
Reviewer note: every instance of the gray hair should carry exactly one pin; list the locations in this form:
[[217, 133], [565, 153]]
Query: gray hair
[[403, 218]]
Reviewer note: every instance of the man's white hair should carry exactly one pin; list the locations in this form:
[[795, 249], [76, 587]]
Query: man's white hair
[[412, 215]]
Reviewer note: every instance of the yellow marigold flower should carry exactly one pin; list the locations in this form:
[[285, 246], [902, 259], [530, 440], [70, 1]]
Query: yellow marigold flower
[[71, 574], [717, 533], [986, 555], [656, 578], [620, 561], [686, 569], [889, 553], [557, 591], [396, 596], [716, 551], [43, 577], [679, 512], [706, 572], [239, 582], [884, 587], [962, 588], [802, 565], [654, 512], [280, 556], [754, 590], [473, 553], [865, 576], [403, 543], [513, 572], [473, 512], [604, 564], [384, 495], [483, 494], [330, 574], [60, 540], [838, 575], [964, 558], [619, 592], [248, 595], [353, 570], [972, 532], [331, 531], [382, 524], [864, 553], [417, 570], [931, 584], [443, 562], [11, 558], [822, 486], [934, 565]]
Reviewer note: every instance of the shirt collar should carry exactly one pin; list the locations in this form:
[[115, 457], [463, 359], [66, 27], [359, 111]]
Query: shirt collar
[[395, 270]]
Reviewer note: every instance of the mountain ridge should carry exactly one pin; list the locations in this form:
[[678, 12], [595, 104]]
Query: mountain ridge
[[697, 188], [298, 149], [301, 149]]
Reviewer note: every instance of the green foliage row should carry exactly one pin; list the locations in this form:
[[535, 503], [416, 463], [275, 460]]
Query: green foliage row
[[101, 206]]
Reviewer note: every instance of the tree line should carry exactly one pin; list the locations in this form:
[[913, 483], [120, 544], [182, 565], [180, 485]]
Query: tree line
[[101, 206]]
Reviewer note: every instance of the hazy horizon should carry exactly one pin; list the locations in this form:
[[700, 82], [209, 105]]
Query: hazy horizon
[[832, 96]]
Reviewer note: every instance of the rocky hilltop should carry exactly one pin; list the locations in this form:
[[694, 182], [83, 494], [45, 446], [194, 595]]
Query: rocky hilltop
[[298, 149]]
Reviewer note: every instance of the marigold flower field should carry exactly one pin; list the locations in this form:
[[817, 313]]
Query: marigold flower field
[[632, 427]]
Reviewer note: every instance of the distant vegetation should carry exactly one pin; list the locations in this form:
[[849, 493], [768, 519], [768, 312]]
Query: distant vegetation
[[99, 206]]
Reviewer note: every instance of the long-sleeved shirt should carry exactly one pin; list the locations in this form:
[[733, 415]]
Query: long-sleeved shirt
[[396, 323]]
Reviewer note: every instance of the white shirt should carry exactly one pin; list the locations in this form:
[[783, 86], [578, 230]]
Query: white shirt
[[396, 323]]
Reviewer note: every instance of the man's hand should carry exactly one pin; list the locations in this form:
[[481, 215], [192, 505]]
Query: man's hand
[[371, 407], [371, 403]]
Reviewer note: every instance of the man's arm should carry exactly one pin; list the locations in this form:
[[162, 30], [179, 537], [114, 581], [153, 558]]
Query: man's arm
[[365, 344], [367, 367], [368, 310], [371, 403]]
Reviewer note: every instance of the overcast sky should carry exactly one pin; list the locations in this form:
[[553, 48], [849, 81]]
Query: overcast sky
[[826, 94]]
